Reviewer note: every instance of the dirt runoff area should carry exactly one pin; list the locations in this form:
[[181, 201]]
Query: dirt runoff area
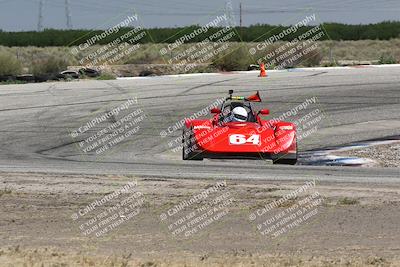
[[91, 220]]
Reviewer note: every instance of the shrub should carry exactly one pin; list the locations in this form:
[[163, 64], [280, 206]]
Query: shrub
[[313, 59], [9, 64], [387, 59], [51, 37], [145, 55], [236, 59], [106, 76], [348, 201], [49, 65], [5, 191]]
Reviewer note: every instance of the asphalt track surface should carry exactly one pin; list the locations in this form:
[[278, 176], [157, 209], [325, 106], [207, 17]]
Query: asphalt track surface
[[37, 120]]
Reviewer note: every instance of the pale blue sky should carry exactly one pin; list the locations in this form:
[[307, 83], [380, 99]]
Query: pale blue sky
[[23, 14]]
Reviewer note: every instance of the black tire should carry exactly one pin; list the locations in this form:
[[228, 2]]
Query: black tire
[[146, 73], [42, 78], [7, 78], [285, 161], [70, 74], [25, 78], [89, 72], [186, 145]]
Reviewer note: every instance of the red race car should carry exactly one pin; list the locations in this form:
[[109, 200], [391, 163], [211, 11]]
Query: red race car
[[236, 131]]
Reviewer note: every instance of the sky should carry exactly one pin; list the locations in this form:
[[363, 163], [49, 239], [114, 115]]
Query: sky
[[22, 15]]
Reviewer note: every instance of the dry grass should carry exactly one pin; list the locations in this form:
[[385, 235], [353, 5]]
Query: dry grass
[[348, 201], [9, 64], [50, 257], [40, 59], [364, 50], [5, 191]]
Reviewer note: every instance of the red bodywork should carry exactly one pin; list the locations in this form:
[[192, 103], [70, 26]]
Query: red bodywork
[[262, 139]]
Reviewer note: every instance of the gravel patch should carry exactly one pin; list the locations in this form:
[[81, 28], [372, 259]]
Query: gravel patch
[[384, 155]]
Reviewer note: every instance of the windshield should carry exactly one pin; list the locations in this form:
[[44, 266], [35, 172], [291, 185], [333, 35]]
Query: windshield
[[226, 115]]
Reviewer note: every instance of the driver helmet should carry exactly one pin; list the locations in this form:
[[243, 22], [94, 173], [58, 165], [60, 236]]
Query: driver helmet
[[239, 114]]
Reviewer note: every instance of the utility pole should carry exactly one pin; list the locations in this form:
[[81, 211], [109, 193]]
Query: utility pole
[[240, 11], [68, 15], [40, 18], [241, 20]]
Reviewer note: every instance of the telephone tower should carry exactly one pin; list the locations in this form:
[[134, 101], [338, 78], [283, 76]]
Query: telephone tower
[[68, 14], [230, 14], [40, 18], [240, 15]]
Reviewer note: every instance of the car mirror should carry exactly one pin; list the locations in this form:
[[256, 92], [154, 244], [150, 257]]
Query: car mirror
[[264, 112], [215, 111]]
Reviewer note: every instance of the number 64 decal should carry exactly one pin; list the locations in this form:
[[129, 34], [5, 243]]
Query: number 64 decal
[[240, 139]]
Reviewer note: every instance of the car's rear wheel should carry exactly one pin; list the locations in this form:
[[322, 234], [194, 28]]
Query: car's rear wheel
[[188, 147]]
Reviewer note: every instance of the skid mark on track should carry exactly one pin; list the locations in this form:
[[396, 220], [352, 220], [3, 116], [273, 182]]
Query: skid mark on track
[[204, 85], [64, 105], [316, 74], [43, 151]]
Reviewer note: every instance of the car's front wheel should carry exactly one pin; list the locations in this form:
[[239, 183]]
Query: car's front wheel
[[188, 152], [285, 161]]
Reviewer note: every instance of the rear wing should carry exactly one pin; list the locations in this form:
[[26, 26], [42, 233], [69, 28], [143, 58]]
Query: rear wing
[[253, 98]]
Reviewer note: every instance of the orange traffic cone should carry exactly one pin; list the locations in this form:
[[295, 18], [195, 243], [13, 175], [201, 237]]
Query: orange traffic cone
[[263, 73]]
